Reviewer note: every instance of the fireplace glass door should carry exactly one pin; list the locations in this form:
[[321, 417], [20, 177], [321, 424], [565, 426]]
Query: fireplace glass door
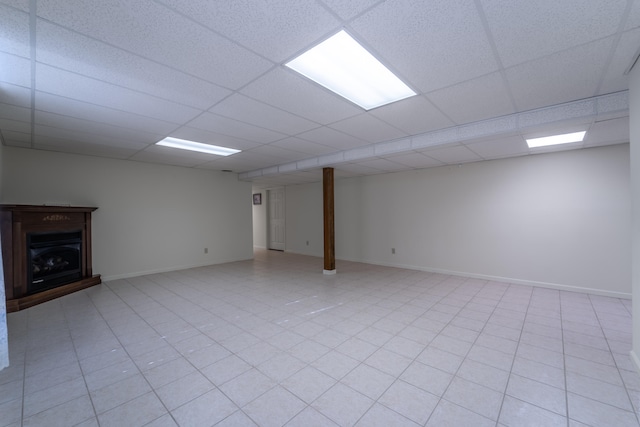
[[54, 259]]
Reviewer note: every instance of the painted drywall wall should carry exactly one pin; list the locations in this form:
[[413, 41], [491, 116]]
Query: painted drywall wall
[[150, 217], [260, 221], [304, 219], [558, 219], [4, 340], [634, 130]]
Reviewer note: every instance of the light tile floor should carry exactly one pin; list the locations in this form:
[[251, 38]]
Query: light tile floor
[[273, 342]]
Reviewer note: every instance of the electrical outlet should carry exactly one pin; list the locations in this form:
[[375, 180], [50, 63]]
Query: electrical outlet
[[206, 250], [393, 250]]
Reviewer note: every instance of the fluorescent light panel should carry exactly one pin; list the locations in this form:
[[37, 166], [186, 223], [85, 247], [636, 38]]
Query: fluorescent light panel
[[343, 66], [556, 139], [196, 146]]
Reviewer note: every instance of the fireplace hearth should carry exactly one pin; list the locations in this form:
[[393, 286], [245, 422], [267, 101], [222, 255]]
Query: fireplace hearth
[[46, 252]]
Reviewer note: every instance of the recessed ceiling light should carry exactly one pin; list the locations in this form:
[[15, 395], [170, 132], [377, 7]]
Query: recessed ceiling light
[[342, 65], [196, 146], [556, 139]]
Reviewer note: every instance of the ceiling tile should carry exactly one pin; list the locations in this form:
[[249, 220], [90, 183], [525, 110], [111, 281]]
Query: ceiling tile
[[302, 146], [83, 110], [242, 162], [120, 73], [15, 95], [247, 110], [307, 163], [287, 179], [415, 160], [288, 167], [383, 165], [291, 92], [282, 154], [633, 17], [524, 30], [93, 129], [42, 132], [494, 148], [386, 148], [608, 131], [50, 143], [169, 156], [18, 4], [17, 143], [332, 138], [355, 169], [413, 115], [155, 32], [452, 154], [204, 136], [435, 138], [13, 112], [64, 83], [16, 137], [15, 70], [14, 32], [367, 127], [276, 29], [349, 9], [331, 159], [431, 44], [360, 153], [615, 78], [490, 127], [339, 174], [474, 100], [74, 52], [235, 128], [564, 77], [15, 126]]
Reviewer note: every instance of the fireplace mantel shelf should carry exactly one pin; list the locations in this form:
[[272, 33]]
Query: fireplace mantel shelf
[[17, 222]]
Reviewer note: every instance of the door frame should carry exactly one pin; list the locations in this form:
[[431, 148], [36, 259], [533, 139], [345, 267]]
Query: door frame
[[284, 228]]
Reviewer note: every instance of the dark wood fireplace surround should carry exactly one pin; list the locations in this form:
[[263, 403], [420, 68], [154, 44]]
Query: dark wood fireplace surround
[[16, 221]]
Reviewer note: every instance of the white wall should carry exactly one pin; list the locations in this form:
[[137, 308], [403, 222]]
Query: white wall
[[634, 115], [558, 219], [4, 345], [304, 219], [150, 218]]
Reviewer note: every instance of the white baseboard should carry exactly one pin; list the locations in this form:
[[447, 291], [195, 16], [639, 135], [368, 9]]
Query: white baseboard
[[557, 286], [166, 270]]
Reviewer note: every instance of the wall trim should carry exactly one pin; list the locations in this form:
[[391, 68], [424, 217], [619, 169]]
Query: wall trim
[[167, 270], [557, 286]]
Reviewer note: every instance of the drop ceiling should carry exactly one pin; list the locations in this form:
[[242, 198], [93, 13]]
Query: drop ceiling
[[111, 78]]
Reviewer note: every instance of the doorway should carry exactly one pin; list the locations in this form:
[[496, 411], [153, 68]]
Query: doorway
[[275, 219]]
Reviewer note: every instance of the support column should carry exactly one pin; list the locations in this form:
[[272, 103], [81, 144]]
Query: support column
[[634, 134], [329, 227]]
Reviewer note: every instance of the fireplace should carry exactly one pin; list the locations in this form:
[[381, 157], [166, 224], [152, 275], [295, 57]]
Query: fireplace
[[54, 259], [46, 252]]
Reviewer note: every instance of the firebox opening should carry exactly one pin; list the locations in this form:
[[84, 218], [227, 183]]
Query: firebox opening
[[54, 259]]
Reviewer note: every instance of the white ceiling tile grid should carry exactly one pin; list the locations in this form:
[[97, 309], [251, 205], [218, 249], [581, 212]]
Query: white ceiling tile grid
[[14, 32], [111, 78]]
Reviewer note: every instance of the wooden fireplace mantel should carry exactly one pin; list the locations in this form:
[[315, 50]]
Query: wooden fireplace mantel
[[16, 221]]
